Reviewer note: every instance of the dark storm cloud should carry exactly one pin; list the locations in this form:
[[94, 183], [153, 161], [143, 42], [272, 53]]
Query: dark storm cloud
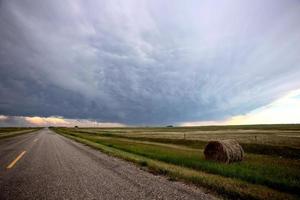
[[146, 62]]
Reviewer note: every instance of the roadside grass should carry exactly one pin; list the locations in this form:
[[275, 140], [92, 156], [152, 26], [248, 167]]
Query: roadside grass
[[275, 176], [11, 131], [279, 174], [227, 187]]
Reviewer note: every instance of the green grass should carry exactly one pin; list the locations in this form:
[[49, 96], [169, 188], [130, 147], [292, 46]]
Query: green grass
[[14, 131], [277, 173]]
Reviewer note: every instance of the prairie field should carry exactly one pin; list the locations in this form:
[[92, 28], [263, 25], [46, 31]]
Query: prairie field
[[270, 169], [14, 131]]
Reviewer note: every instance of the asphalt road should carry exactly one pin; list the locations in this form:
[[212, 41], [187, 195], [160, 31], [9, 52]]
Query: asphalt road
[[45, 165]]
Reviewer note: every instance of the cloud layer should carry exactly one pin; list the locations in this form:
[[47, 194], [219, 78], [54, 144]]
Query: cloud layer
[[146, 62]]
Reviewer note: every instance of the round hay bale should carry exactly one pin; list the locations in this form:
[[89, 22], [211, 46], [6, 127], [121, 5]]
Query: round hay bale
[[226, 151]]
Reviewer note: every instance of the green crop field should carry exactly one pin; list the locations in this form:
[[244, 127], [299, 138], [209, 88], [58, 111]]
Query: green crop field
[[270, 170]]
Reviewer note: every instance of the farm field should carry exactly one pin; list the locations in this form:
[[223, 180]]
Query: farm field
[[270, 170], [14, 131]]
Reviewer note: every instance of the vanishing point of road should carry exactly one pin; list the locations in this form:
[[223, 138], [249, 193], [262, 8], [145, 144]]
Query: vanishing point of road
[[45, 165]]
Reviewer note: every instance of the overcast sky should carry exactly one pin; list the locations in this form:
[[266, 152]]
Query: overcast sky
[[145, 62]]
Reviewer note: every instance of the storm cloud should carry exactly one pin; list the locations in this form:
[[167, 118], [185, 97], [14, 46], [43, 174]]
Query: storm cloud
[[146, 62]]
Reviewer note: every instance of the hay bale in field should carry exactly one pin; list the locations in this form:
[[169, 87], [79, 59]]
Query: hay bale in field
[[226, 151]]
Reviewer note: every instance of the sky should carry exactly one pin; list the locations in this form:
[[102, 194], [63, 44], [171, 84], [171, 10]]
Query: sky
[[137, 62]]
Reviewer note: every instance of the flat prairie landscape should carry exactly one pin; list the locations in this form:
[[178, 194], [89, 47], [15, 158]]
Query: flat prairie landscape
[[270, 169], [149, 100]]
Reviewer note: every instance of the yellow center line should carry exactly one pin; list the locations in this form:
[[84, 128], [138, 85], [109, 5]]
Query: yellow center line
[[16, 160]]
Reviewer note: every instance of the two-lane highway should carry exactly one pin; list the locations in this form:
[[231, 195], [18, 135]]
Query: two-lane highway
[[45, 165]]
